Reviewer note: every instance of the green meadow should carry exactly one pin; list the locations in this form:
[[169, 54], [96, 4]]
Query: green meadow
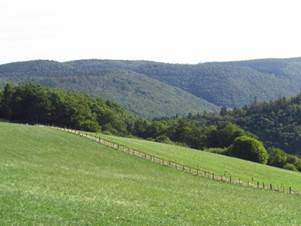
[[50, 177], [219, 164]]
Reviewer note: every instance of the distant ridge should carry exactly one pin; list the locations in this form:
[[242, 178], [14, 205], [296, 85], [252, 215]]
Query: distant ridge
[[154, 89]]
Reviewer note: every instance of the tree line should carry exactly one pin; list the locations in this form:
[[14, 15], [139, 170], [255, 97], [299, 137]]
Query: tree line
[[30, 103]]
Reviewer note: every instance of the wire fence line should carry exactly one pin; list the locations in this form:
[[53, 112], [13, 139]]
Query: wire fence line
[[184, 168]]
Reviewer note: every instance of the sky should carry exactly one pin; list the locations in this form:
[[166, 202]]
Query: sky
[[174, 31]]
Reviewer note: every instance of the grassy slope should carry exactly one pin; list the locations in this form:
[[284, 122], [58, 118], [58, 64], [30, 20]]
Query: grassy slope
[[54, 178], [219, 164]]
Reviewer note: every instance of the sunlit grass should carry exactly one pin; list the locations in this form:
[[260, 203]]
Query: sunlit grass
[[50, 177], [221, 165]]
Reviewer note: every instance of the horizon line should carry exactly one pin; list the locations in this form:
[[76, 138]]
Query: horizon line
[[154, 61]]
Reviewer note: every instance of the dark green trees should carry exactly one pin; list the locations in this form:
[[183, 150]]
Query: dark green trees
[[289, 166], [5, 110], [224, 135], [277, 123], [37, 104], [277, 157], [248, 148]]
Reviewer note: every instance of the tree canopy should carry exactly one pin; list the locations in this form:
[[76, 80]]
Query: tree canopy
[[248, 148]]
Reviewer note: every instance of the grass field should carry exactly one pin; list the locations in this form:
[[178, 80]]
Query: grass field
[[50, 177], [237, 168]]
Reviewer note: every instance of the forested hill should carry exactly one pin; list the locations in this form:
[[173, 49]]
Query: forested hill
[[155, 89], [136, 92], [230, 84], [277, 123]]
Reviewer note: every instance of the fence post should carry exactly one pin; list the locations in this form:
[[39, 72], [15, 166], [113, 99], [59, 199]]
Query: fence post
[[290, 190], [271, 187]]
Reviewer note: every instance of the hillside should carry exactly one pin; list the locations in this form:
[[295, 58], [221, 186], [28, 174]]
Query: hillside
[[230, 84], [51, 177], [134, 91], [155, 89], [277, 123], [220, 164]]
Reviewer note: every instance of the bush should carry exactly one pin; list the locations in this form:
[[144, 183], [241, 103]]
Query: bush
[[292, 159], [298, 165], [290, 166], [90, 125], [248, 148], [277, 157], [163, 139]]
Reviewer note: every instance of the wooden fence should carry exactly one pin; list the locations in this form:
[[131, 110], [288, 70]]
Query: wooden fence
[[184, 168]]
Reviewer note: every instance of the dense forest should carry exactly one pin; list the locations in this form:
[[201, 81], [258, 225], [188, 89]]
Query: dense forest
[[152, 89], [134, 91], [36, 104], [230, 84], [277, 123]]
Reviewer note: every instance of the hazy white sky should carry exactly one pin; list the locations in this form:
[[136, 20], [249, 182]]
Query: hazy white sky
[[182, 31]]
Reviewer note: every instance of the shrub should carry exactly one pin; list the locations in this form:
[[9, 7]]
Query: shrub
[[292, 159], [277, 157], [90, 125], [248, 148], [290, 166], [298, 165], [163, 139]]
